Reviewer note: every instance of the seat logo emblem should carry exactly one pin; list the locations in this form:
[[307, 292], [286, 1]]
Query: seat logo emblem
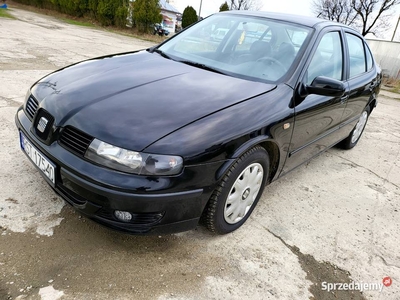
[[42, 124]]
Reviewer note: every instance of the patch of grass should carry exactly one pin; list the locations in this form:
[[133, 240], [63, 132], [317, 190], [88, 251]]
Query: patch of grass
[[396, 89], [78, 22], [5, 14], [89, 22], [134, 33], [392, 84]]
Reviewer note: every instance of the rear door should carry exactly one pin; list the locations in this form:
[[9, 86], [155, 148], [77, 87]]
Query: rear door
[[317, 118], [362, 78]]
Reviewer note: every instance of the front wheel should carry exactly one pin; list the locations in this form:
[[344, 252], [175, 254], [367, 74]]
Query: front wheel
[[237, 194], [357, 131]]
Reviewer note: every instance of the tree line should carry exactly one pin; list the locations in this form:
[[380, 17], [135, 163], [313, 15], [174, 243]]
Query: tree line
[[141, 13]]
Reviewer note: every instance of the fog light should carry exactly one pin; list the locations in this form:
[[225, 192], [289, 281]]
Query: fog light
[[123, 215]]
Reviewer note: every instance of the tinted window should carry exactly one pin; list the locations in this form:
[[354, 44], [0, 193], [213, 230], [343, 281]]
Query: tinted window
[[369, 58], [357, 55], [328, 58]]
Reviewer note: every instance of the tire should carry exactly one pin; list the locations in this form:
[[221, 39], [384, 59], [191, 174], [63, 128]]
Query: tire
[[235, 197], [357, 131]]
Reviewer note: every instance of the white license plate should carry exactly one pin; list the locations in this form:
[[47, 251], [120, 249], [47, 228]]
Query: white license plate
[[38, 158]]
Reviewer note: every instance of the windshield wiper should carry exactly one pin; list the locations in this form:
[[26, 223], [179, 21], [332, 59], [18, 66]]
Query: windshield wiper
[[201, 66], [190, 63], [162, 53]]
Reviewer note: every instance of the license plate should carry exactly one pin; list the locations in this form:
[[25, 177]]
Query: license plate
[[41, 161]]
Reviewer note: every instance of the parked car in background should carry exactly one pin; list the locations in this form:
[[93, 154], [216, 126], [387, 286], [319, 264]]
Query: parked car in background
[[151, 141], [160, 30]]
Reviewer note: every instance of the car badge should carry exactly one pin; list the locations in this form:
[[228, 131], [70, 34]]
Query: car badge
[[42, 124]]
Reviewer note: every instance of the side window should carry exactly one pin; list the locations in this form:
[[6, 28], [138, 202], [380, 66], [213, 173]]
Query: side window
[[369, 58], [357, 55], [328, 58]]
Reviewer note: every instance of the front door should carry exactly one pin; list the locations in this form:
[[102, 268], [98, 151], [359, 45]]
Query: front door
[[317, 118]]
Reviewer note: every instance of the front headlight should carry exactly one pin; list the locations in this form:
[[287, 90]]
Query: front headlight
[[132, 161]]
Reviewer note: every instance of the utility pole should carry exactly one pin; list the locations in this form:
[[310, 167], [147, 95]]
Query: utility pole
[[395, 30], [201, 3]]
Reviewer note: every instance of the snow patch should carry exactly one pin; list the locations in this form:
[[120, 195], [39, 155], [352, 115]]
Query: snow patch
[[49, 293]]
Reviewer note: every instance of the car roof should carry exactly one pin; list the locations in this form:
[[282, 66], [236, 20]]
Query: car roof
[[303, 20]]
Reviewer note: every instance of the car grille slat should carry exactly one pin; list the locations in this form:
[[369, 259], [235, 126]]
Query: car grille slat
[[75, 135], [31, 106], [74, 143], [75, 140]]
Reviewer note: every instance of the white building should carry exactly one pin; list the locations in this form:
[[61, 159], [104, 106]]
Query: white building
[[169, 15]]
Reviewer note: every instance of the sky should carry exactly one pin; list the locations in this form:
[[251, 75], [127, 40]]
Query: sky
[[298, 7]]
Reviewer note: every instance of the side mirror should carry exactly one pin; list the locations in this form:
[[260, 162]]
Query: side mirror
[[321, 85], [325, 86]]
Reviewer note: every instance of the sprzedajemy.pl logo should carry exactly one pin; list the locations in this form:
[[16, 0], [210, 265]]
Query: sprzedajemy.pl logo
[[357, 286]]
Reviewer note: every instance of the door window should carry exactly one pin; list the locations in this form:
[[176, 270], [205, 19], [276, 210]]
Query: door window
[[328, 58], [356, 55]]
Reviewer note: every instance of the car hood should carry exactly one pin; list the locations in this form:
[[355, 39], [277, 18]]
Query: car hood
[[132, 100]]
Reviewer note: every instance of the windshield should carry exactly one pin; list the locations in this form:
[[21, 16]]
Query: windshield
[[242, 46]]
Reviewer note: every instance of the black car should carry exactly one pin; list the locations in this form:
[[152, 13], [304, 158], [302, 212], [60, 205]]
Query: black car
[[152, 141], [160, 30]]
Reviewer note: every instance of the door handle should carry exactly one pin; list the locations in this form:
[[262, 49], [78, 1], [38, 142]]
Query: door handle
[[372, 85], [344, 98]]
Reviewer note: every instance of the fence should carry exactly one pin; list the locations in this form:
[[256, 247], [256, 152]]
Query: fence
[[387, 55]]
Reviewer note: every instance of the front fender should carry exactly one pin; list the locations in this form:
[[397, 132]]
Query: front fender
[[228, 133]]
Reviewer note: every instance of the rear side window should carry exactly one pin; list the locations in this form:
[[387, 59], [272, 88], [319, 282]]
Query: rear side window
[[357, 55]]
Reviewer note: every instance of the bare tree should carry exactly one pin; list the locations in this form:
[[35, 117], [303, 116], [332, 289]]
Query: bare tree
[[335, 10], [245, 4], [374, 14], [369, 16]]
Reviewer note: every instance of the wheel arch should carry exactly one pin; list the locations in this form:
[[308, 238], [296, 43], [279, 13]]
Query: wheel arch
[[269, 145]]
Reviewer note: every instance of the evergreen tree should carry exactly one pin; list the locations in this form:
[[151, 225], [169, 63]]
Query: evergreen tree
[[145, 13], [189, 16], [224, 7]]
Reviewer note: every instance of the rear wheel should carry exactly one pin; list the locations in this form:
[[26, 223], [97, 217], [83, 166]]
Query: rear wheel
[[238, 192], [357, 131]]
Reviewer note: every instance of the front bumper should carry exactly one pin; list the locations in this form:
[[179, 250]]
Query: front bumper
[[157, 204]]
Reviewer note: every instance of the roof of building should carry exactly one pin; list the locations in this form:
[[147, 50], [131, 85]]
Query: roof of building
[[166, 6]]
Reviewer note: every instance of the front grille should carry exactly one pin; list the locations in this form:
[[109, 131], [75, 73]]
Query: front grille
[[75, 140], [31, 107]]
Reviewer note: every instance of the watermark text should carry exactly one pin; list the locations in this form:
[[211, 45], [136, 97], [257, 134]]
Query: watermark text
[[356, 286]]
